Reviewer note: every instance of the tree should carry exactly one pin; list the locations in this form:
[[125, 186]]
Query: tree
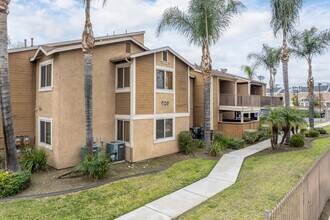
[[5, 99], [88, 42], [269, 59], [293, 119], [295, 101], [203, 25], [307, 45], [284, 16], [249, 71], [275, 118]]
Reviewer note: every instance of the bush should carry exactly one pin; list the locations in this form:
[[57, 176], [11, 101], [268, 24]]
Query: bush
[[34, 159], [321, 130], [303, 131], [216, 148], [313, 133], [250, 136], [199, 144], [297, 140], [265, 132], [13, 183], [93, 166], [235, 143], [218, 135], [185, 142]]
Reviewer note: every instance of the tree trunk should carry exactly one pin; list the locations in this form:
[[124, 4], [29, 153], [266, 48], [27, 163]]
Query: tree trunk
[[285, 64], [310, 84], [271, 88], [206, 70], [5, 100], [88, 42]]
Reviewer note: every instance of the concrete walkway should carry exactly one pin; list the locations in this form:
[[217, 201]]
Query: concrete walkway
[[223, 175]]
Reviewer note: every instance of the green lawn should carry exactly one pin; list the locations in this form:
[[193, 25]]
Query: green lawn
[[327, 128], [111, 200], [262, 183]]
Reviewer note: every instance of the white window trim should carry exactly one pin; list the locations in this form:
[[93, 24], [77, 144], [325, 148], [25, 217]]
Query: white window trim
[[45, 63], [166, 139], [128, 144], [165, 61], [125, 89], [50, 147], [173, 82]]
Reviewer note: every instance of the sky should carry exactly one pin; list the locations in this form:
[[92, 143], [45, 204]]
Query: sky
[[49, 21]]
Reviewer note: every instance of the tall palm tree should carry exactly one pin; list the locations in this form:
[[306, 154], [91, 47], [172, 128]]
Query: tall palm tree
[[88, 43], [203, 25], [249, 71], [307, 45], [269, 59], [5, 101], [284, 16]]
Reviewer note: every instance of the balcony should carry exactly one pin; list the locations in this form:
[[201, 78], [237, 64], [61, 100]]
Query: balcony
[[249, 100]]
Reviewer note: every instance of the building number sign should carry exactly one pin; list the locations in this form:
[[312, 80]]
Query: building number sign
[[165, 103]]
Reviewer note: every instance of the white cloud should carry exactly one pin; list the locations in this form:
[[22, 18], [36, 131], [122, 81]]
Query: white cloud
[[49, 21]]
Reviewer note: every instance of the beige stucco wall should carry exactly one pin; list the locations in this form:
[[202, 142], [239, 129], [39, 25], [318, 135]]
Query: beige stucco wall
[[242, 88], [144, 146], [161, 103]]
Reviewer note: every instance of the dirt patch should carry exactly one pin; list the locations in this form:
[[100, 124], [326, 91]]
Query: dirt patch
[[48, 181]]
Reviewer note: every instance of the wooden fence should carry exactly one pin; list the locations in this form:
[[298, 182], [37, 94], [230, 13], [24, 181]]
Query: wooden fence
[[308, 198]]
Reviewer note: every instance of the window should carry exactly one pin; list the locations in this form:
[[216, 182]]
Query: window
[[45, 132], [165, 56], [328, 104], [46, 75], [164, 80], [164, 128], [128, 47], [123, 77], [123, 130]]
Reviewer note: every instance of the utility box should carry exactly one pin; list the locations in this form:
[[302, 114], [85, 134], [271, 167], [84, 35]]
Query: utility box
[[116, 151], [97, 150]]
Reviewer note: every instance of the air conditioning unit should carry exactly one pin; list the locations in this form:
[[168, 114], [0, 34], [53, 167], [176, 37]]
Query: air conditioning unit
[[116, 151], [97, 150]]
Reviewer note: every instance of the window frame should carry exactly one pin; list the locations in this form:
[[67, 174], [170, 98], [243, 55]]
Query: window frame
[[124, 89], [42, 64], [117, 132], [165, 90], [42, 144], [165, 61], [165, 139]]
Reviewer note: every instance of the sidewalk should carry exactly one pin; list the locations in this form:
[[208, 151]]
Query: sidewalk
[[223, 175]]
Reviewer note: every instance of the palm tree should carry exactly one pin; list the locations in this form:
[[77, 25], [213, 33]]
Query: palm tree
[[249, 71], [307, 45], [274, 116], [284, 16], [269, 59], [5, 100], [203, 24], [88, 42], [293, 118]]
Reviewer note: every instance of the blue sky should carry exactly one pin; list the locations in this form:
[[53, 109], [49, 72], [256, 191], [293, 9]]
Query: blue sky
[[58, 20]]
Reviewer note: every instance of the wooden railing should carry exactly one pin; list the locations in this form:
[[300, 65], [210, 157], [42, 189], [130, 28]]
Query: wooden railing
[[249, 100]]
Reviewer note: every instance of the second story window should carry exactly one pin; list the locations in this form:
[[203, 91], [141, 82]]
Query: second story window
[[46, 75], [164, 80], [123, 77]]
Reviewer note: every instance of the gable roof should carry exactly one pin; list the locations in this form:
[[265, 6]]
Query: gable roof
[[148, 52], [51, 49]]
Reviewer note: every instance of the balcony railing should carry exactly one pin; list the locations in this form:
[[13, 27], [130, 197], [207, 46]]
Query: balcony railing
[[249, 100]]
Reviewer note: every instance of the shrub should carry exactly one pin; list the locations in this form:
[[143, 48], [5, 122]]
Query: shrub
[[297, 140], [265, 132], [234, 143], [34, 159], [185, 142], [218, 135], [250, 136], [313, 133], [94, 166], [321, 130], [216, 148], [303, 131], [13, 183], [200, 144]]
